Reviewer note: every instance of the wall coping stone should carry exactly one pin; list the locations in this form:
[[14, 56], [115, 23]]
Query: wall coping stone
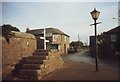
[[23, 35]]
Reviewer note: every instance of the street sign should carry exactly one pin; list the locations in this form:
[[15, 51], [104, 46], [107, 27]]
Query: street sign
[[44, 39], [96, 23]]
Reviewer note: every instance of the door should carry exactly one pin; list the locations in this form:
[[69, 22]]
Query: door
[[65, 49]]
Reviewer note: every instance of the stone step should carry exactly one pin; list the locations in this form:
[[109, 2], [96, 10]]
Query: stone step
[[32, 66], [41, 50], [38, 57], [30, 73], [41, 53], [31, 61], [41, 63]]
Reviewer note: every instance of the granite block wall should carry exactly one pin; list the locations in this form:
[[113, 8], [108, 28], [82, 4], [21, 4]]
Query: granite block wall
[[20, 45]]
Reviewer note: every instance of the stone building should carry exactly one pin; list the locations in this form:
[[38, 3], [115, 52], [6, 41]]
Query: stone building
[[58, 40], [108, 43], [111, 42]]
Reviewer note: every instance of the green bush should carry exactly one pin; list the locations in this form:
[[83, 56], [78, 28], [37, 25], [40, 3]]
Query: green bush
[[6, 31], [8, 28]]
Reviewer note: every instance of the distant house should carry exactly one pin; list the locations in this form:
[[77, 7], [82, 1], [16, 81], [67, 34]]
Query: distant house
[[58, 40], [92, 45], [112, 42], [109, 43]]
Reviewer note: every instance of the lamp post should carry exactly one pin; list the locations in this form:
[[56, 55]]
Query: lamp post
[[95, 14]]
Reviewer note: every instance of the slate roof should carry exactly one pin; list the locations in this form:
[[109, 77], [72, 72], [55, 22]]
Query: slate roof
[[48, 30], [114, 30]]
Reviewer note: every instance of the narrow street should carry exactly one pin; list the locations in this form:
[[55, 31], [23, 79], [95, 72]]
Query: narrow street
[[83, 57], [80, 66]]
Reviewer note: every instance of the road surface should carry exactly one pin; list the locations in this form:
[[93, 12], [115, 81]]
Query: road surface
[[85, 57], [81, 66]]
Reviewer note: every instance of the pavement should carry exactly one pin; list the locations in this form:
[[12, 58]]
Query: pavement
[[83, 70]]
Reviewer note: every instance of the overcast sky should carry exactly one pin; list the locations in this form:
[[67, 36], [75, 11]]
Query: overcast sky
[[73, 18]]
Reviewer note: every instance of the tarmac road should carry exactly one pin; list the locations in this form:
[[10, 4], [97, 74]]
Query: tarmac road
[[85, 57]]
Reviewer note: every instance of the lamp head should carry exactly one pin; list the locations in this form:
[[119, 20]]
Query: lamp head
[[95, 14]]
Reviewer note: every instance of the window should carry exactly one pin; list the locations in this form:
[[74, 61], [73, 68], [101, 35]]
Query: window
[[61, 38], [48, 34], [59, 47], [54, 46], [113, 38], [65, 38], [55, 37]]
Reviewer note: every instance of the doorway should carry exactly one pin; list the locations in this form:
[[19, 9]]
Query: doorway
[[65, 51]]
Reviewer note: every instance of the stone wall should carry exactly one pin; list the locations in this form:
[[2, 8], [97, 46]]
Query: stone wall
[[20, 45]]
